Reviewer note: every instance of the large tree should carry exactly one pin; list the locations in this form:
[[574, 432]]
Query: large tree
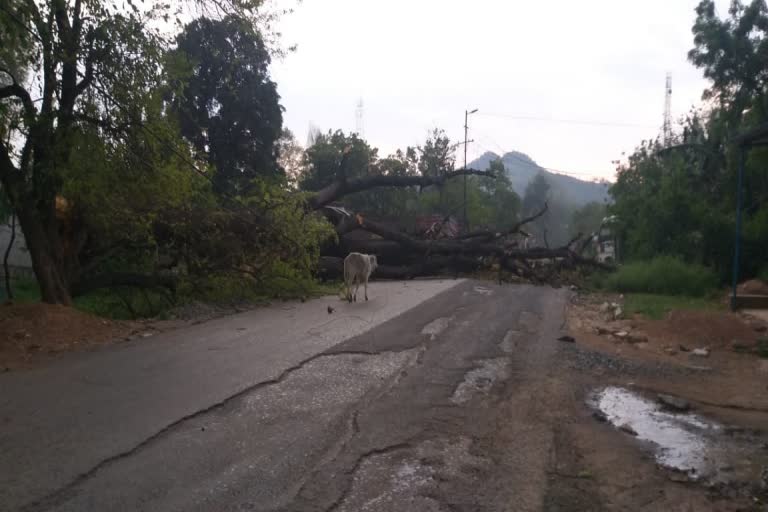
[[90, 66], [79, 91], [227, 105]]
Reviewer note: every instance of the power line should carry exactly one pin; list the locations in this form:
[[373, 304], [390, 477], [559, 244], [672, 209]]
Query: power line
[[611, 124]]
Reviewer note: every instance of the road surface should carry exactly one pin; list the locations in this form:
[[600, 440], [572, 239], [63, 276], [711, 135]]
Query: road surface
[[433, 396]]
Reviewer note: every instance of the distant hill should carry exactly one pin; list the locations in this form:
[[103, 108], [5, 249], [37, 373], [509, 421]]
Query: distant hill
[[521, 169]]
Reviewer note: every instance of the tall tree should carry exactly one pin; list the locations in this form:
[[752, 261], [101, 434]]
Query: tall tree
[[732, 53], [227, 105], [93, 67], [334, 155], [436, 156]]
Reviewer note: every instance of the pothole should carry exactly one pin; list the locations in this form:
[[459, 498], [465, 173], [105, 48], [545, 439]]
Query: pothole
[[481, 379], [701, 449], [390, 481], [400, 479], [509, 343], [434, 328]]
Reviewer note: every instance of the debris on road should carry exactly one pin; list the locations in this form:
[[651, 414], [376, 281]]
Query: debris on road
[[567, 339], [673, 402], [700, 352]]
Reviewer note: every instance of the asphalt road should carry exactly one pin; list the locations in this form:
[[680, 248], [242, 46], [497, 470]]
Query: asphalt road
[[429, 397]]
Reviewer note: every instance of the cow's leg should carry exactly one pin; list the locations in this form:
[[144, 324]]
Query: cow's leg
[[365, 284]]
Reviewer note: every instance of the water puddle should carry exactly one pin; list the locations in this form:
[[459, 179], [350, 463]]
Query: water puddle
[[681, 441]]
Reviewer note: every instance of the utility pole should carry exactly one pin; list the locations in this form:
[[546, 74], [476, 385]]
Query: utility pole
[[667, 129], [466, 142], [359, 127]]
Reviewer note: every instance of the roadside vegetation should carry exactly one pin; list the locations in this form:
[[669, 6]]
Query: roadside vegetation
[[664, 275], [657, 307], [654, 288], [141, 183], [677, 197]]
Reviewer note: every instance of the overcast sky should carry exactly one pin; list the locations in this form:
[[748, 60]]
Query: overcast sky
[[417, 64]]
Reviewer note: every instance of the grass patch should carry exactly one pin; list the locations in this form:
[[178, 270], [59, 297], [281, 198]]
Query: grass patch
[[131, 303], [664, 275], [657, 306], [25, 290], [125, 303]]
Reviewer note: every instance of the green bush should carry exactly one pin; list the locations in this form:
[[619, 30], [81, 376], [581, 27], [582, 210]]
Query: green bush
[[663, 275]]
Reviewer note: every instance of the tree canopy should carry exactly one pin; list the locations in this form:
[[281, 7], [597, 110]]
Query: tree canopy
[[225, 102], [681, 200]]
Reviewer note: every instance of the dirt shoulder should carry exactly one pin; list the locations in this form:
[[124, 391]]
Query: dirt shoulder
[[719, 348], [32, 333], [638, 452]]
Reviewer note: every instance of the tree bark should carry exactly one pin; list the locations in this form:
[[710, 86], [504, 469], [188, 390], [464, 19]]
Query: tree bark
[[6, 268], [46, 258]]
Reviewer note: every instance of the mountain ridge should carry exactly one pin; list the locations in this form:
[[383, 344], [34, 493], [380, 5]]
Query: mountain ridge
[[521, 169]]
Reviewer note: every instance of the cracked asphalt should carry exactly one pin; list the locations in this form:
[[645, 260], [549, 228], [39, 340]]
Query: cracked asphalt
[[433, 396]]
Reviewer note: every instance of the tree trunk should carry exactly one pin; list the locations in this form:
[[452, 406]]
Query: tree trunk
[[48, 267], [6, 268]]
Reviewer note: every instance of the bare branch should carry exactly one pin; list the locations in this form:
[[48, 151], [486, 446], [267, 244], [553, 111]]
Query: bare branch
[[87, 79], [489, 236], [105, 124], [15, 90], [343, 187]]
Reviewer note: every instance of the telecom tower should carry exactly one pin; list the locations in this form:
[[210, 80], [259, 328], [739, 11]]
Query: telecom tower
[[359, 128], [312, 134], [667, 129]]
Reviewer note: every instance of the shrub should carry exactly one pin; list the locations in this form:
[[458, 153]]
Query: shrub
[[663, 275], [763, 274]]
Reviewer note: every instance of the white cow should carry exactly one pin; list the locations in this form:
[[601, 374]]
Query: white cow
[[357, 269]]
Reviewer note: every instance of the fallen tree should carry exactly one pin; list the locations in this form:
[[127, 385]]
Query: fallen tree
[[406, 257], [343, 186], [403, 256]]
